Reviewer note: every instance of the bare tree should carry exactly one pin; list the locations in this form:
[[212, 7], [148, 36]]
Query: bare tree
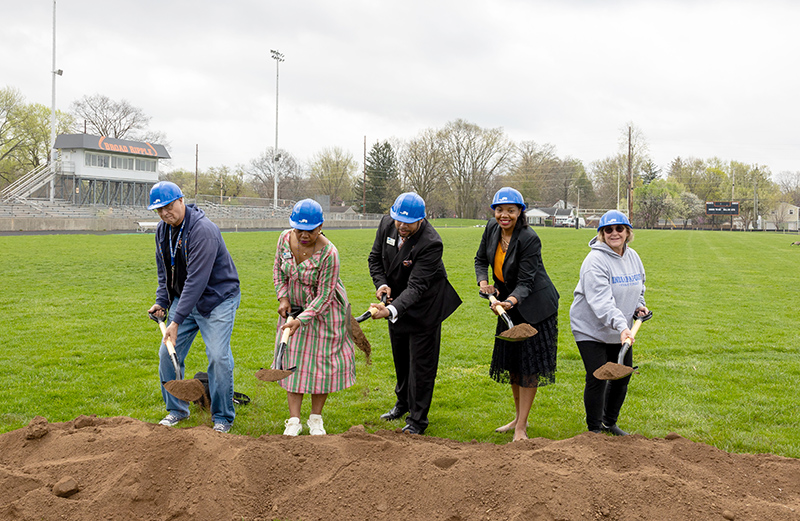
[[262, 171], [474, 157], [423, 165], [531, 170], [106, 117], [332, 173]]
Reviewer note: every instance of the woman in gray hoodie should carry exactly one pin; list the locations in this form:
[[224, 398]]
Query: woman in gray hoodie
[[610, 291]]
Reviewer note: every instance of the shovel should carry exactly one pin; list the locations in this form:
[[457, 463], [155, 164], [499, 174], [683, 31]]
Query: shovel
[[371, 311], [612, 371], [187, 390], [279, 373], [513, 333]]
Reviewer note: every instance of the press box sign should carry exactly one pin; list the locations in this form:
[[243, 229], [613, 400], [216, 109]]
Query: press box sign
[[722, 208]]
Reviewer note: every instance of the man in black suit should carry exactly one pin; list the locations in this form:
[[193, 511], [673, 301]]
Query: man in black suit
[[406, 265]]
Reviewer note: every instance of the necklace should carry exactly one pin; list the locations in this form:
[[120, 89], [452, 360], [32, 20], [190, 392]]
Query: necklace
[[504, 243]]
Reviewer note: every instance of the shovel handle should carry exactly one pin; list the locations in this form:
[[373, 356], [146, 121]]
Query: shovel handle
[[637, 323], [163, 327], [173, 356], [501, 311]]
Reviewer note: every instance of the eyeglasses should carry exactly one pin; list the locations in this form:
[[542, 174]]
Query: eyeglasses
[[618, 228]]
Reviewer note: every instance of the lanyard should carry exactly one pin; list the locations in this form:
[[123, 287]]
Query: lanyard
[[173, 250]]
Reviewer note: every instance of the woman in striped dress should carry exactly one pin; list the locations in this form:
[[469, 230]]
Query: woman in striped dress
[[306, 275]]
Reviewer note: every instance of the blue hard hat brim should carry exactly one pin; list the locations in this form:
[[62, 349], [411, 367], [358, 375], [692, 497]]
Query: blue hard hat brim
[[403, 218], [306, 227], [521, 205], [162, 204]]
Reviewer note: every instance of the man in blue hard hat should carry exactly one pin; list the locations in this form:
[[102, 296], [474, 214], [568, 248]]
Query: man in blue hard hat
[[198, 287], [406, 266]]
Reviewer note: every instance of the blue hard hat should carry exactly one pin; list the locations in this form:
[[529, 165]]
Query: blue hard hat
[[508, 195], [408, 208], [613, 217], [306, 215], [163, 193]]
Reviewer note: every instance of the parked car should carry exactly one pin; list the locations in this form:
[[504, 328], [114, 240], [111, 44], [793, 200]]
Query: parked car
[[571, 222]]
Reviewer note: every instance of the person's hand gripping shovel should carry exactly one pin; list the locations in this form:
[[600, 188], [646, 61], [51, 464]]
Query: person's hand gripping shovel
[[513, 333], [371, 311], [279, 373], [187, 390], [615, 371]]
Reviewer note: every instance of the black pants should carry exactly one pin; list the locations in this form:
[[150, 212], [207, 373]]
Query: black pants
[[416, 361], [603, 399]]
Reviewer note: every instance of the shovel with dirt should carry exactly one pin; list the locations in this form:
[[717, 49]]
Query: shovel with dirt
[[279, 373], [514, 333], [188, 390], [612, 371]]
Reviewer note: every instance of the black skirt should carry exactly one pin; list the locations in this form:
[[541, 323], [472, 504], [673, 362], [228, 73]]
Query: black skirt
[[531, 362]]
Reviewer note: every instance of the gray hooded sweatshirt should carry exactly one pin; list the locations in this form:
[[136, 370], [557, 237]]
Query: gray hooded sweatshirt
[[609, 291]]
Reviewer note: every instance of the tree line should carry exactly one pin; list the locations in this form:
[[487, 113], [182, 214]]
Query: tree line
[[455, 168]]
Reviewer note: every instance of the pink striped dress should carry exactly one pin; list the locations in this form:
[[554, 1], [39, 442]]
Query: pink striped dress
[[322, 349]]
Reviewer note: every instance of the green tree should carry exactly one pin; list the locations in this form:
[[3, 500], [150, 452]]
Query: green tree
[[382, 184], [650, 172]]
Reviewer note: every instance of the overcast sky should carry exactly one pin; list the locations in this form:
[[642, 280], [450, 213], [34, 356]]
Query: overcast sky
[[699, 79]]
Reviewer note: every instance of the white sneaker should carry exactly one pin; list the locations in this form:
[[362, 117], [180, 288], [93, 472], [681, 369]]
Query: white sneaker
[[315, 427], [293, 426]]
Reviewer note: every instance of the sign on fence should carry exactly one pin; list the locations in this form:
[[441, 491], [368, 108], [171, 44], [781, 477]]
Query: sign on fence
[[722, 208]]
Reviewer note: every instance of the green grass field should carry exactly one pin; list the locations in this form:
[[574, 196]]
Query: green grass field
[[718, 362]]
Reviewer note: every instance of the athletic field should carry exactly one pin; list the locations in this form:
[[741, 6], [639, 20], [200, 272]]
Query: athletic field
[[718, 363]]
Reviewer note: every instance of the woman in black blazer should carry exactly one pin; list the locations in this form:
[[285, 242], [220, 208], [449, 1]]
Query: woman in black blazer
[[512, 251]]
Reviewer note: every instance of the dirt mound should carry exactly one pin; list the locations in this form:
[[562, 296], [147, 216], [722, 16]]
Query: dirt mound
[[120, 468]]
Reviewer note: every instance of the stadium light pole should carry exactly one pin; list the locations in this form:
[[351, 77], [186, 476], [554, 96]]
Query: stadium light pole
[[278, 57], [55, 72]]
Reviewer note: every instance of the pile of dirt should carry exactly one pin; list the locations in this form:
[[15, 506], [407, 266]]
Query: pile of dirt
[[120, 468]]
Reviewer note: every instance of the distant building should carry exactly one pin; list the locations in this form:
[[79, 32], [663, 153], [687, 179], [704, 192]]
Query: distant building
[[107, 171]]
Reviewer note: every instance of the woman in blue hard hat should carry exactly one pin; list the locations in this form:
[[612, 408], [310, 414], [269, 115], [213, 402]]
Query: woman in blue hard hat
[[306, 275], [512, 252], [609, 292]]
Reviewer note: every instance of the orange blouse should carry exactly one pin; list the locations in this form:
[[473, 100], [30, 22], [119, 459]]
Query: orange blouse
[[499, 259]]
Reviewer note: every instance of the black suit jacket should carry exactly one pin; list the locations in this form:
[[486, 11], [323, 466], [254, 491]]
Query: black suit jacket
[[421, 293], [523, 271]]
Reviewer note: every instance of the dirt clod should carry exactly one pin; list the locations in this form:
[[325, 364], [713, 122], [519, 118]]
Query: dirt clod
[[37, 428], [65, 487]]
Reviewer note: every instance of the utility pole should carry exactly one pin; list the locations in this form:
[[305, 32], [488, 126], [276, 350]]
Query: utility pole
[[196, 162], [364, 200], [278, 57], [630, 175]]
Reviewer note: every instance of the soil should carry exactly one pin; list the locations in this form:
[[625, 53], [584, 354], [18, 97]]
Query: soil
[[360, 339], [190, 390], [120, 468], [272, 375], [612, 371], [519, 332]]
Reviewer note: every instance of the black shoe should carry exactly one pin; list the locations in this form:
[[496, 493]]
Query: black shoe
[[410, 429], [613, 430], [395, 413]]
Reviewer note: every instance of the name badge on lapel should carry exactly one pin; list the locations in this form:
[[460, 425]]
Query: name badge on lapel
[[390, 241], [287, 255]]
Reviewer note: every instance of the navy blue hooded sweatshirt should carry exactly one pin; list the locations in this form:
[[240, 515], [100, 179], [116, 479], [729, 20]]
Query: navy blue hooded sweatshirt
[[210, 275]]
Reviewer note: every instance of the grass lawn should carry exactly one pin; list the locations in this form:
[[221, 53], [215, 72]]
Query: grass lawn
[[718, 363]]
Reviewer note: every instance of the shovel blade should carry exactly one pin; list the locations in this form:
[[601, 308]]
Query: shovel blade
[[362, 317]]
